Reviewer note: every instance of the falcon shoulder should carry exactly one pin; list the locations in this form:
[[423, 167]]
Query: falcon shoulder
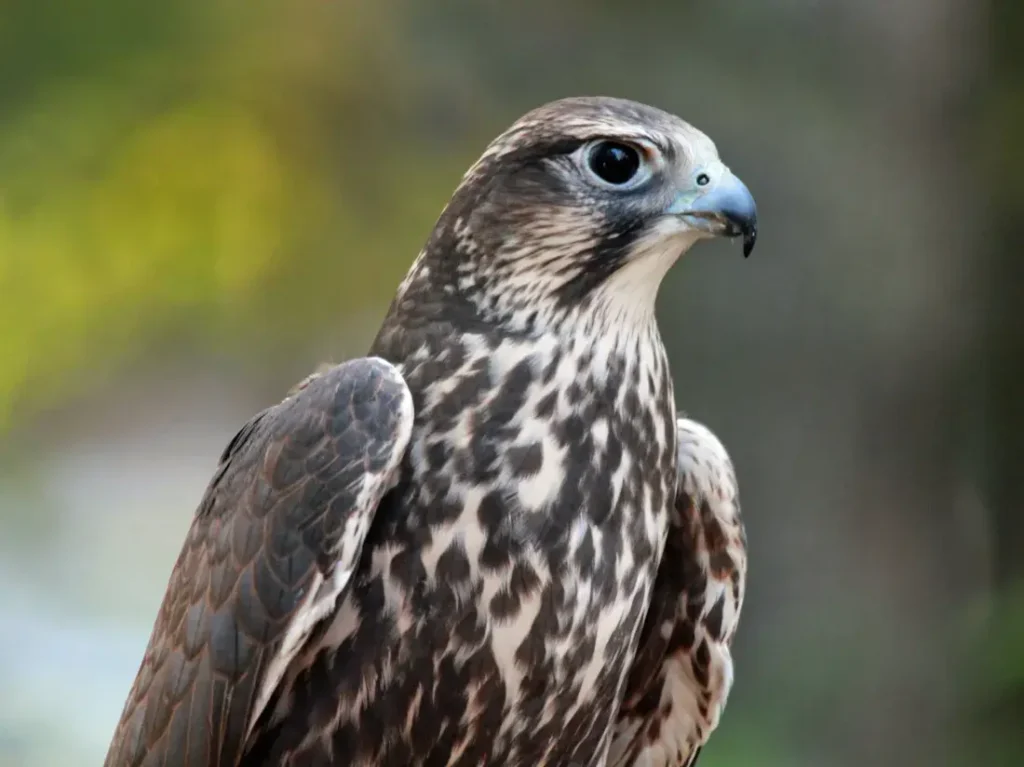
[[682, 671], [272, 546]]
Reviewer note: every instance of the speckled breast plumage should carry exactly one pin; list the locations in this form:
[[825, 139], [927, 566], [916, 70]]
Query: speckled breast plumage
[[495, 615]]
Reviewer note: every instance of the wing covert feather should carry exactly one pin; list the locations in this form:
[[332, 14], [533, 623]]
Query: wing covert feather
[[286, 512]]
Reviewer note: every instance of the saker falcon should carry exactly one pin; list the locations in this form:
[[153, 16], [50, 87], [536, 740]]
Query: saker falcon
[[491, 541]]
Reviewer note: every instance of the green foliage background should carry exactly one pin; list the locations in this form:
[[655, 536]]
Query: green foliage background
[[174, 173]]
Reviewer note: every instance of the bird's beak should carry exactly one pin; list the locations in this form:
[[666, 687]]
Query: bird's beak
[[724, 208]]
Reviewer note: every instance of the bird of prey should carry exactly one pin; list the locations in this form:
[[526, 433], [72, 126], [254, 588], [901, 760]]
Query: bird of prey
[[492, 541]]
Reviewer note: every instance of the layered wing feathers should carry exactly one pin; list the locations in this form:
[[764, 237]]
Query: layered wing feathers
[[682, 671], [276, 537]]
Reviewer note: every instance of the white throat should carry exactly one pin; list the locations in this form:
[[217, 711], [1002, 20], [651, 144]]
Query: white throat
[[623, 306]]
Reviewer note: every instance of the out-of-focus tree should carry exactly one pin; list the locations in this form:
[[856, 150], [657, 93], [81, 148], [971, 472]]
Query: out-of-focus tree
[[996, 662], [166, 170]]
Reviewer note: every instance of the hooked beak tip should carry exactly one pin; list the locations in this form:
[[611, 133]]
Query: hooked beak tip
[[749, 240]]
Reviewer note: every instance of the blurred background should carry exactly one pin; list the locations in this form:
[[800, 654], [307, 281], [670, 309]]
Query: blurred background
[[200, 201]]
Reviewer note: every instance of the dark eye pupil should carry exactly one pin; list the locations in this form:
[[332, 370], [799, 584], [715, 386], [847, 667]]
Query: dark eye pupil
[[614, 163]]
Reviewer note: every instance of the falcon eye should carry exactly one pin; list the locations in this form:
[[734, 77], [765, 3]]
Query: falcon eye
[[614, 163]]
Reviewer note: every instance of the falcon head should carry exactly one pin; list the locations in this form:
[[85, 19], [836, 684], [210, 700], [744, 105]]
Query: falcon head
[[582, 202]]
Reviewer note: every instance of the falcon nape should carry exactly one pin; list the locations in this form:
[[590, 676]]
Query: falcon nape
[[491, 541]]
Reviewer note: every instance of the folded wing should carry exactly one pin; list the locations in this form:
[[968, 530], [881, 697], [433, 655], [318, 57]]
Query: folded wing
[[271, 549], [682, 671]]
